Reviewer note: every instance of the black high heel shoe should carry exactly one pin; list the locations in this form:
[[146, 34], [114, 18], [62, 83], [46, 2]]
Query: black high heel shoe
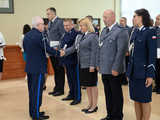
[[85, 109], [95, 110]]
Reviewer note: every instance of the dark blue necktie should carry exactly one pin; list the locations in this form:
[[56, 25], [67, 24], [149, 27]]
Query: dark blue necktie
[[82, 38], [107, 30]]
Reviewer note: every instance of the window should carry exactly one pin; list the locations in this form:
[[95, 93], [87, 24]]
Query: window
[[129, 6]]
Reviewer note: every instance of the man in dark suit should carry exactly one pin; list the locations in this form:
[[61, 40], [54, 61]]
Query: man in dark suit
[[113, 39], [55, 35], [36, 66], [71, 64]]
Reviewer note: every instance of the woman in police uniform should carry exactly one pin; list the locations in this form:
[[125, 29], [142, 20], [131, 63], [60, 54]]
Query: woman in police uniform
[[141, 69], [86, 46]]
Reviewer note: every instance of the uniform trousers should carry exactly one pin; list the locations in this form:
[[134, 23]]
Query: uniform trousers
[[35, 89], [113, 95]]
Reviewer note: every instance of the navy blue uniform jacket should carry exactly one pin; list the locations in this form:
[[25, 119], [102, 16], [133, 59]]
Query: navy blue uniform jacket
[[69, 39], [142, 60], [35, 47]]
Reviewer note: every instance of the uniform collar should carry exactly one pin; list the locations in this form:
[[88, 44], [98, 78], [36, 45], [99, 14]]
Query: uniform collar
[[86, 33], [141, 28], [54, 19], [36, 30], [70, 30], [110, 28]]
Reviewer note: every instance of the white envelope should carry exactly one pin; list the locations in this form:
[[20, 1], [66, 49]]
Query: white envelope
[[158, 52], [54, 43]]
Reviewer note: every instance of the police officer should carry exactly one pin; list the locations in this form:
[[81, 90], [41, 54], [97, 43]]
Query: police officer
[[157, 80], [86, 46], [91, 19], [123, 23], [70, 63], [55, 35], [113, 46], [36, 66], [141, 67]]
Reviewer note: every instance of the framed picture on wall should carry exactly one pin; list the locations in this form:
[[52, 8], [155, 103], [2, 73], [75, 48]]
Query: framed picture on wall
[[6, 6], [96, 23]]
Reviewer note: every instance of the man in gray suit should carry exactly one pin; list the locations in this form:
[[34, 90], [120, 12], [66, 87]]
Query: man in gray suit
[[123, 23], [55, 34], [113, 45]]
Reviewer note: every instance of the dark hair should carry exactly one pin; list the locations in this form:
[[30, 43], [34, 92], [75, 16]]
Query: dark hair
[[52, 9], [90, 17], [26, 28], [146, 19], [152, 22], [46, 21], [124, 18]]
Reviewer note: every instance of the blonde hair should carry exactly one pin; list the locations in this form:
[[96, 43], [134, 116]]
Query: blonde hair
[[85, 21]]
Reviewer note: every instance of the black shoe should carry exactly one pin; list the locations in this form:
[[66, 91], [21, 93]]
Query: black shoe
[[41, 118], [44, 117], [42, 113], [75, 102], [58, 94], [51, 93], [44, 88], [125, 82], [95, 110], [85, 109], [106, 118], [84, 88], [67, 98]]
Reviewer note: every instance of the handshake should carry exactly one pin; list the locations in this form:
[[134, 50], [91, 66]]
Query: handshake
[[62, 52]]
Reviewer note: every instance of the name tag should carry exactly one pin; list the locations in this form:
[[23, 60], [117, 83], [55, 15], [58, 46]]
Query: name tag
[[54, 43]]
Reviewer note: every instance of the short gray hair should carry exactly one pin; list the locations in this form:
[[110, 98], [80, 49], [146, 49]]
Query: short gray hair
[[36, 21]]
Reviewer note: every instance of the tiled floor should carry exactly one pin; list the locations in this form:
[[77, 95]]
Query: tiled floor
[[14, 103]]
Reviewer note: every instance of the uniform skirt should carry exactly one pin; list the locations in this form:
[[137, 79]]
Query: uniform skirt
[[139, 92], [88, 79], [1, 65]]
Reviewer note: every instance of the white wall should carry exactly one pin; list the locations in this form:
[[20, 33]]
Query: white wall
[[11, 24]]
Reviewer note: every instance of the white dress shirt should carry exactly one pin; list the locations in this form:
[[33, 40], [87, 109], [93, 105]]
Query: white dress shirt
[[110, 28]]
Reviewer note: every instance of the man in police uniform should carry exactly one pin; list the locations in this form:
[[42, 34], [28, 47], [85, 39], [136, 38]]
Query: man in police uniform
[[70, 62], [55, 35], [113, 46], [91, 19], [36, 66], [123, 23], [157, 80]]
